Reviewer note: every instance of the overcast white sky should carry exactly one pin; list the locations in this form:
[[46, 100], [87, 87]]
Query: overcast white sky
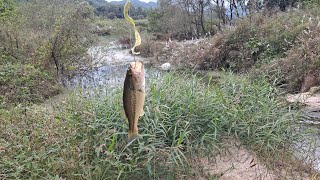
[[140, 0]]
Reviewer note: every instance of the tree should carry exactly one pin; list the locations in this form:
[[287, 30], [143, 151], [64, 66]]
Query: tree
[[198, 8], [197, 17], [153, 20], [111, 11], [51, 34]]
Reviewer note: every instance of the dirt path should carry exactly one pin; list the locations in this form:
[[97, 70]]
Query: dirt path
[[236, 163]]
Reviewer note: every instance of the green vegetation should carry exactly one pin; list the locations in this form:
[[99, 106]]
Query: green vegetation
[[35, 35], [119, 28], [22, 84], [50, 39], [6, 7], [279, 44], [257, 40], [112, 11], [303, 57], [40, 41], [185, 118]]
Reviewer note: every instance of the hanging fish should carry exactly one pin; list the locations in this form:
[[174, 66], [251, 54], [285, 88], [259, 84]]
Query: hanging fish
[[133, 97]]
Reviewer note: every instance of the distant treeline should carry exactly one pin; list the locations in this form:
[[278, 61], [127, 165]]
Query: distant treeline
[[189, 18], [111, 11]]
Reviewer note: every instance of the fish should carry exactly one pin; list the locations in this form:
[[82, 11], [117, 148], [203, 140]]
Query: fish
[[134, 97]]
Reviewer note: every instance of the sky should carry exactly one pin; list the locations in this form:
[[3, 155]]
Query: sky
[[140, 0]]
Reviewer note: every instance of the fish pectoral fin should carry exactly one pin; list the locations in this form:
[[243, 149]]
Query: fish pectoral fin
[[142, 113], [123, 115]]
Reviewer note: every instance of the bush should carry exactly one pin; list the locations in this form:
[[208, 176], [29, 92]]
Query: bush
[[282, 47], [303, 60], [47, 34], [255, 40], [149, 47], [24, 84]]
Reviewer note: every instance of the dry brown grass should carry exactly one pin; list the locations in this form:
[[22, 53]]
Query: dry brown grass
[[150, 47], [300, 69]]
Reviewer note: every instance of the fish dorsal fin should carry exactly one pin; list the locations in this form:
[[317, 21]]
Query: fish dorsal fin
[[142, 113]]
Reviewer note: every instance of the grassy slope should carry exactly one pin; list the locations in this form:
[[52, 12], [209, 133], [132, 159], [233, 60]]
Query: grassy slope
[[85, 137]]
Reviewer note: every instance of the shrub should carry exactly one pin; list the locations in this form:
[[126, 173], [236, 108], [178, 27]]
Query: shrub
[[255, 40], [149, 47], [44, 33], [24, 84], [301, 61]]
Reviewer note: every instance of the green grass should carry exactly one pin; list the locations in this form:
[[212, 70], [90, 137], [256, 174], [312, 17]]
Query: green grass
[[185, 118]]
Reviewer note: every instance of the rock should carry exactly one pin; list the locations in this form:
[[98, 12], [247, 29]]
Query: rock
[[310, 98], [310, 80], [314, 90], [165, 67]]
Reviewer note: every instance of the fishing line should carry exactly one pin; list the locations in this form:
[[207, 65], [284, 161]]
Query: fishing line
[[134, 58], [131, 21]]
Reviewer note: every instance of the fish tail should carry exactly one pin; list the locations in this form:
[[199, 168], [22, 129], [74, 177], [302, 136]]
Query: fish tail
[[133, 135]]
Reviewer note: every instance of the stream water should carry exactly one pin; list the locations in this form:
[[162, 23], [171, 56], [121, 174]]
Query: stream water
[[109, 67], [104, 76], [310, 122]]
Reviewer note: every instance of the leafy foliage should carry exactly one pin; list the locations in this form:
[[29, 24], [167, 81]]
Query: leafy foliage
[[6, 7], [258, 40], [276, 46], [301, 61], [50, 34], [153, 19], [40, 39]]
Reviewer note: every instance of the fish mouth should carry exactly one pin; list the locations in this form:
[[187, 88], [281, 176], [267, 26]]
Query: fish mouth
[[136, 66]]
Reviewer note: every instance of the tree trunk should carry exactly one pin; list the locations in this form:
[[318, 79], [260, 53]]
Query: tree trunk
[[201, 17], [53, 54]]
